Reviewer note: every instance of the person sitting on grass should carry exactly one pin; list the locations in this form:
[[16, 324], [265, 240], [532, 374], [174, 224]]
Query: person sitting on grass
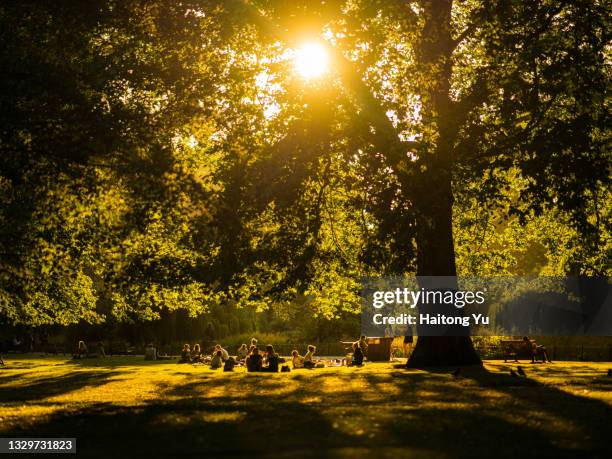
[[229, 364], [309, 357], [363, 344], [297, 359], [224, 353], [81, 351], [357, 354], [150, 352], [254, 361], [271, 360], [535, 349], [217, 360], [185, 354], [196, 354], [242, 352]]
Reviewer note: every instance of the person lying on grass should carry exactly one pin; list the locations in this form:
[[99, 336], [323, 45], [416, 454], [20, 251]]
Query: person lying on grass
[[297, 359], [217, 360], [309, 357], [271, 360], [254, 361]]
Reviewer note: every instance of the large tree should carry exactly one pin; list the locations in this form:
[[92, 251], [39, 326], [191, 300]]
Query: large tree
[[166, 154], [446, 94]]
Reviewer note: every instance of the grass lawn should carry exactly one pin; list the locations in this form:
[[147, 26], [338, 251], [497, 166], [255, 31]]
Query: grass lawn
[[123, 406]]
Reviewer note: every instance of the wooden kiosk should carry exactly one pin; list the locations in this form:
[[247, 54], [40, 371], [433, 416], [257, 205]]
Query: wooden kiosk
[[379, 349]]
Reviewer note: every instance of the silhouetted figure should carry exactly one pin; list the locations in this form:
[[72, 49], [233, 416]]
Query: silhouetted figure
[[16, 344], [254, 361], [101, 352], [363, 344], [229, 364], [2, 363], [44, 342], [357, 354], [520, 371], [535, 350], [185, 354], [31, 341], [150, 352], [513, 373], [610, 372], [81, 351], [271, 360], [457, 372], [217, 360]]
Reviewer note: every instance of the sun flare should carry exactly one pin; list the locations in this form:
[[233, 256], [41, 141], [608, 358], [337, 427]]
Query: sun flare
[[311, 60]]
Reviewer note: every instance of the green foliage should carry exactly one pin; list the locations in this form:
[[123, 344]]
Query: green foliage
[[166, 155]]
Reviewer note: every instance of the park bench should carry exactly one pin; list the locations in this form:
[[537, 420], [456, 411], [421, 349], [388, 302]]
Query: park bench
[[516, 348]]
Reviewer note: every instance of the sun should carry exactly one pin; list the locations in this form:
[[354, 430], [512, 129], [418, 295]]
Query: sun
[[311, 60]]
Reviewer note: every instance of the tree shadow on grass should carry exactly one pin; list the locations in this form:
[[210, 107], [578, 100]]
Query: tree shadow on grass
[[366, 414], [41, 388], [188, 428], [524, 416], [431, 413], [17, 365]]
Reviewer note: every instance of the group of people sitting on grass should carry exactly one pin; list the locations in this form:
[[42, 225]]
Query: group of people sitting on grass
[[267, 361]]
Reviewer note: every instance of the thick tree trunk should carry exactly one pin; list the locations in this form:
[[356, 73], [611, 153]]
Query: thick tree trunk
[[436, 257], [433, 195]]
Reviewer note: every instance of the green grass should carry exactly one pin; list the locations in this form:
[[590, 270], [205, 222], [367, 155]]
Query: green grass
[[123, 406]]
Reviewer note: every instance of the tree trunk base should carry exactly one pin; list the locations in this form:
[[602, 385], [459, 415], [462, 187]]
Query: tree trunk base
[[443, 351]]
